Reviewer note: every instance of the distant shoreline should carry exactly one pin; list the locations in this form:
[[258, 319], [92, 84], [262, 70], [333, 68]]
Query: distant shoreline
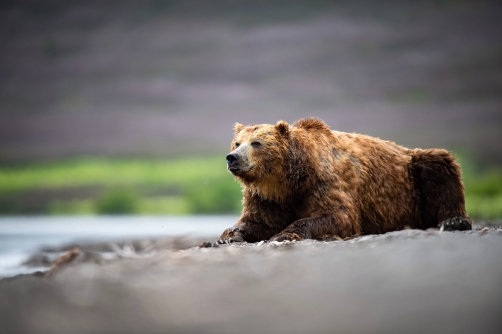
[[123, 248]]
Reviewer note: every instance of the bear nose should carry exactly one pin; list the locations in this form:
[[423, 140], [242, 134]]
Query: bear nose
[[232, 157]]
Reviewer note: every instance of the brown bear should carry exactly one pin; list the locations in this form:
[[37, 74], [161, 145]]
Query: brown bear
[[305, 181]]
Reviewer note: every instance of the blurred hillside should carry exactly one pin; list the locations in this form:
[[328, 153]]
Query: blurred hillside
[[104, 104], [163, 78]]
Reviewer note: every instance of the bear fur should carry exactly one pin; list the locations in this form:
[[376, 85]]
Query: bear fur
[[305, 181]]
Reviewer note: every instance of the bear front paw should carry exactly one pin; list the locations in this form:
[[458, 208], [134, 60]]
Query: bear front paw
[[286, 236], [231, 235]]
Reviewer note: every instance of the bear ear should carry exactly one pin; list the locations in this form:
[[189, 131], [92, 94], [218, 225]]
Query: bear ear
[[282, 127], [238, 127]]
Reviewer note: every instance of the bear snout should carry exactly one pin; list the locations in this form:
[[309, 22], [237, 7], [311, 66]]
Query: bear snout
[[231, 158], [233, 163]]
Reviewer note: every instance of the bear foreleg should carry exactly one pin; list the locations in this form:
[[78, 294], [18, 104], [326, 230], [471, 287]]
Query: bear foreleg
[[245, 232], [318, 227]]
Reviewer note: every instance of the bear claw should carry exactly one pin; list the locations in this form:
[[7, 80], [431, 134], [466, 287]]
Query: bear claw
[[456, 224], [286, 237], [230, 240]]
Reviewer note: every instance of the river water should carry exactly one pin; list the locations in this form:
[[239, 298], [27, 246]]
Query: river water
[[22, 236]]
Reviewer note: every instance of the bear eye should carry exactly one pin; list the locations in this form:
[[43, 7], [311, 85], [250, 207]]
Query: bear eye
[[237, 145], [256, 144]]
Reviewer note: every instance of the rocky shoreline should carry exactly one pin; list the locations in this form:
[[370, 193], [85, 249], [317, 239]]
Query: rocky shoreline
[[408, 281]]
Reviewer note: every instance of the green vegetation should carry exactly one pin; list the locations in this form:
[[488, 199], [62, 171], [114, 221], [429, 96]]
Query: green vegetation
[[484, 207], [98, 186], [117, 201], [215, 196], [169, 187], [483, 194], [110, 173], [483, 189]]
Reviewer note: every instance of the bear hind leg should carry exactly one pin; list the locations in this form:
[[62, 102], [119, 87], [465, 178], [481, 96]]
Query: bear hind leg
[[440, 191], [456, 224]]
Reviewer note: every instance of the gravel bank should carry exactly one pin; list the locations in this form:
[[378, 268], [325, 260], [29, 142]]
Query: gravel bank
[[401, 282]]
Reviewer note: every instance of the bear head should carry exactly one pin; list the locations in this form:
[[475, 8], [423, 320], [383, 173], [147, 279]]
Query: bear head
[[274, 161], [258, 153]]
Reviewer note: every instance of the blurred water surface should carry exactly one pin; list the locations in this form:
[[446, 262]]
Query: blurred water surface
[[22, 236]]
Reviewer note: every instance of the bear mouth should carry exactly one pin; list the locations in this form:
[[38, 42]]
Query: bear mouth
[[234, 170], [239, 171]]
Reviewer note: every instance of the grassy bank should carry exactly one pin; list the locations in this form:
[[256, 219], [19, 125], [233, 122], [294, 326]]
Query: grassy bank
[[180, 186], [90, 186]]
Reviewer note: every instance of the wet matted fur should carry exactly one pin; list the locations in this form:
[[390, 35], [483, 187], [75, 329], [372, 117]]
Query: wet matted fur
[[305, 181]]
